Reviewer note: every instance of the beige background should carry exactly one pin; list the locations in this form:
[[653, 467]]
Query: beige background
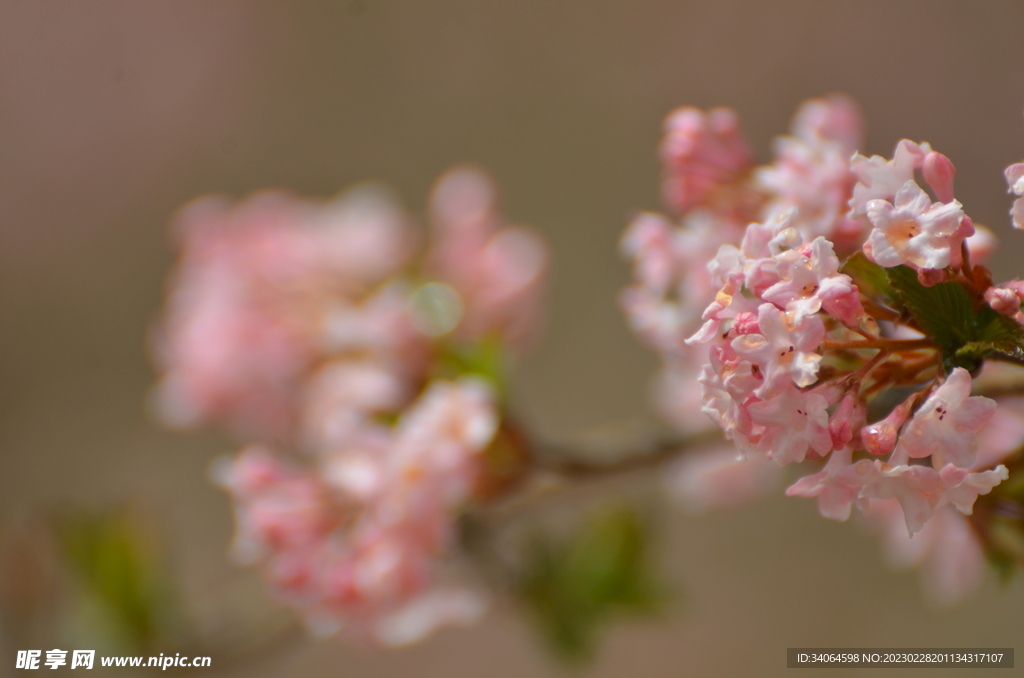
[[114, 113]]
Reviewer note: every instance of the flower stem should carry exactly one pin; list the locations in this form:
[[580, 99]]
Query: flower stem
[[885, 344], [880, 312]]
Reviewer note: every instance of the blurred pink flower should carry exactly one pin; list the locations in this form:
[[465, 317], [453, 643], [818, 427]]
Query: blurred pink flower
[[811, 171], [701, 153], [250, 297], [1015, 180], [306, 327], [356, 541], [947, 550], [498, 270], [716, 478], [835, 118]]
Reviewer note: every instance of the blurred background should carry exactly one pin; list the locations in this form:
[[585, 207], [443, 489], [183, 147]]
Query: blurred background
[[114, 113]]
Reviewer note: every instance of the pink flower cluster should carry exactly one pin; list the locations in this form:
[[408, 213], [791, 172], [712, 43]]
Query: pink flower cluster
[[716, 191], [311, 331], [748, 303]]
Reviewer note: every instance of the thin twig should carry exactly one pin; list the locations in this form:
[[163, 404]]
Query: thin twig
[[889, 344]]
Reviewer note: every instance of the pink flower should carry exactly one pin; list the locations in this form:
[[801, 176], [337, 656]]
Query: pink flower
[[730, 302], [811, 171], [946, 424], [784, 351], [657, 321], [938, 172], [965, 486], [777, 234], [835, 118], [918, 489], [438, 607], [881, 179], [921, 490], [847, 421], [719, 403], [377, 327], [498, 270], [1005, 300], [677, 392], [362, 237], [294, 323], [794, 422], [355, 542], [1015, 179], [954, 560], [279, 506], [727, 387], [673, 279], [947, 549], [836, 486], [701, 153], [439, 437], [810, 280], [762, 243], [650, 242], [343, 396], [250, 295], [772, 292], [915, 231], [1003, 435]]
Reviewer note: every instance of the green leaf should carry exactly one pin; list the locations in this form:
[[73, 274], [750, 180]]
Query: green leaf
[[1003, 334], [487, 357], [944, 311], [116, 562], [577, 585], [871, 279]]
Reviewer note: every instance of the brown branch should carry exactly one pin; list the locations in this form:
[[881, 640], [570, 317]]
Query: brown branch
[[572, 462]]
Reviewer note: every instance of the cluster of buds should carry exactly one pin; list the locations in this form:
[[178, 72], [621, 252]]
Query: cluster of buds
[[830, 308], [365, 381]]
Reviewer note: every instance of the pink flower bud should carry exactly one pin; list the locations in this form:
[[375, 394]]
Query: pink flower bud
[[1003, 300], [880, 437], [746, 323], [938, 171], [844, 421], [931, 276]]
